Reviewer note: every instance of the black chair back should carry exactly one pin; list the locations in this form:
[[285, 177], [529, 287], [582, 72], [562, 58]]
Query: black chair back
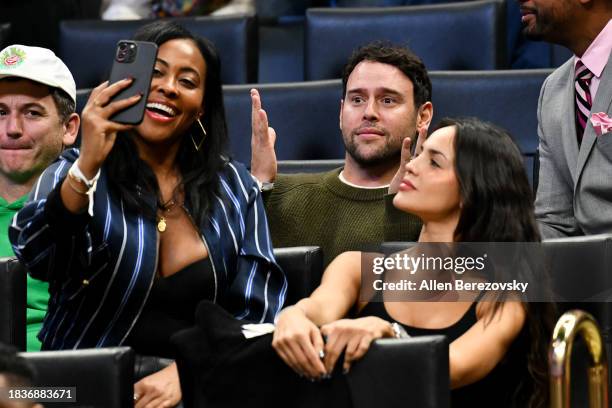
[[88, 46], [581, 270], [465, 35], [102, 377], [402, 372], [12, 303], [303, 267]]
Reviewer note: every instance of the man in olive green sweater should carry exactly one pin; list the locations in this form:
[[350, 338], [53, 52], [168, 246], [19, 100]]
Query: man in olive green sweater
[[37, 119], [386, 105]]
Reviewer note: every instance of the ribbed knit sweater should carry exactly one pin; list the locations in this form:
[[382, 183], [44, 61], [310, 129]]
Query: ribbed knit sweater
[[319, 209]]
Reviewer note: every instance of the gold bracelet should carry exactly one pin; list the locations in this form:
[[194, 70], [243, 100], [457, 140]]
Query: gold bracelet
[[73, 187]]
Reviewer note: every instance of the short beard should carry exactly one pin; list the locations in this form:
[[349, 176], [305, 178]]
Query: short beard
[[388, 154]]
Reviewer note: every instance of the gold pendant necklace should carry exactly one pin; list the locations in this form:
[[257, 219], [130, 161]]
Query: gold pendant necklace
[[165, 208], [161, 224]]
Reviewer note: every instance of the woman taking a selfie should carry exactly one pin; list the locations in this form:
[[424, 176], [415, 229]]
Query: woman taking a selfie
[[150, 219]]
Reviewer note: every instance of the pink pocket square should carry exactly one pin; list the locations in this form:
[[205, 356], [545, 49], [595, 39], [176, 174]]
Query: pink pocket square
[[601, 123]]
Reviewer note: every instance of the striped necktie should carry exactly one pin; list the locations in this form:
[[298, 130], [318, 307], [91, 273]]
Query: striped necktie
[[583, 98]]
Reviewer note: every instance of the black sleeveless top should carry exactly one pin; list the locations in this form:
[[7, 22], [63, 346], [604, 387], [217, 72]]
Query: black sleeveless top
[[498, 387], [171, 307]]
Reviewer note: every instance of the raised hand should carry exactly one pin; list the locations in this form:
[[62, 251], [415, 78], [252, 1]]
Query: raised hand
[[405, 158], [98, 131], [263, 156]]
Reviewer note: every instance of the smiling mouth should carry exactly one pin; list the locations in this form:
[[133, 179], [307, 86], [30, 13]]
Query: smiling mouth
[[161, 109], [527, 12]]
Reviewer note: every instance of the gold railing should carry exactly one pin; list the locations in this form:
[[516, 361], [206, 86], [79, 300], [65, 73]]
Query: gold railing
[[572, 323]]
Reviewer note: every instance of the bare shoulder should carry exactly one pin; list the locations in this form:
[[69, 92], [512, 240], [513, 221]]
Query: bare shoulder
[[346, 261], [508, 317]]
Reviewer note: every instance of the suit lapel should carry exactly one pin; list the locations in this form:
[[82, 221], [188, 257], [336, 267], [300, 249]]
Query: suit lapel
[[601, 104]]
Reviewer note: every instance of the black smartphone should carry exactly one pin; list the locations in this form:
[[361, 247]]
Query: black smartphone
[[135, 59]]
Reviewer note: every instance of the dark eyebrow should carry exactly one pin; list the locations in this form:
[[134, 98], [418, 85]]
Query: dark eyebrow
[[182, 69], [434, 152], [34, 105], [381, 90]]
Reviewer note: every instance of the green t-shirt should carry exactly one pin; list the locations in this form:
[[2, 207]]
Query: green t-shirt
[[38, 291]]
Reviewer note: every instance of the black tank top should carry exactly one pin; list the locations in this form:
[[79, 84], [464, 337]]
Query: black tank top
[[496, 389], [171, 307]]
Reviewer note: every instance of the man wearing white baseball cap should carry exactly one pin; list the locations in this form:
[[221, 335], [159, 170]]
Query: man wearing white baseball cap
[[37, 120]]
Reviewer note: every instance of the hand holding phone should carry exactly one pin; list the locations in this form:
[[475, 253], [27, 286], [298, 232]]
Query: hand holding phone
[[136, 60]]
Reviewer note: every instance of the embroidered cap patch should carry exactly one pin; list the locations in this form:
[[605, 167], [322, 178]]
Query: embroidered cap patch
[[12, 57]]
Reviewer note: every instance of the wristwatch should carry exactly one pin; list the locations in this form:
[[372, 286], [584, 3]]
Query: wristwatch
[[399, 331]]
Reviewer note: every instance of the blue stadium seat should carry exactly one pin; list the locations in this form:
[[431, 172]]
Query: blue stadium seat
[[559, 55], [466, 35], [281, 50], [87, 46], [508, 98], [304, 115]]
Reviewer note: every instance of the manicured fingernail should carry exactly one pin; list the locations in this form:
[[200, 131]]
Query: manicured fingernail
[[321, 354]]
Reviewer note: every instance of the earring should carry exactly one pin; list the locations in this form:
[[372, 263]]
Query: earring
[[199, 145]]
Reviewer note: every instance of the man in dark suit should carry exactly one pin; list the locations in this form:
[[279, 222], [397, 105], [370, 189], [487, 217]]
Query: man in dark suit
[[575, 186]]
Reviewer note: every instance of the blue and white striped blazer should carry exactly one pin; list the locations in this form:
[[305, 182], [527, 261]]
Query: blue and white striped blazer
[[101, 269]]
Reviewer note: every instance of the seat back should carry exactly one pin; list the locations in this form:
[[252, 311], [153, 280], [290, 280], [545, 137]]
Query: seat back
[[507, 98], [102, 377], [559, 55], [304, 115], [12, 303], [397, 372], [581, 269], [303, 267], [465, 35], [281, 50], [88, 46]]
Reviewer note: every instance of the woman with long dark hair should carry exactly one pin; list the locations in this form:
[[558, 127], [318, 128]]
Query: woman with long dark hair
[[146, 221], [467, 185]]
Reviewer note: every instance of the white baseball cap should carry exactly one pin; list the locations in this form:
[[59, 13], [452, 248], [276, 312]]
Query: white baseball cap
[[38, 65]]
